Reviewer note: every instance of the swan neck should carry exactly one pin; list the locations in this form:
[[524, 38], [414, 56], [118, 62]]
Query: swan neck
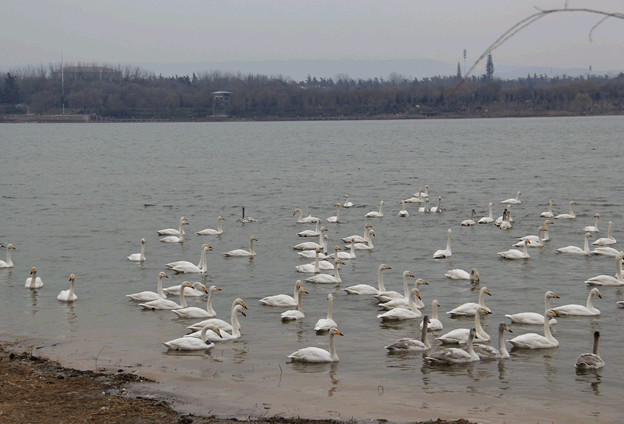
[[609, 230], [423, 336], [332, 347], [491, 217], [317, 267], [586, 245], [596, 343], [300, 301], [71, 290], [618, 265], [209, 302], [330, 309], [590, 305], [478, 324], [501, 342], [161, 294], [448, 242], [251, 247], [524, 248], [337, 274], [202, 261], [203, 334], [235, 324], [380, 283], [469, 347], [547, 328], [547, 302], [9, 262], [142, 252], [181, 232], [405, 288], [182, 299], [33, 280], [482, 298], [434, 311]]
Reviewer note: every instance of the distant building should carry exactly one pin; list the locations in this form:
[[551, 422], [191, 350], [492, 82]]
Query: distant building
[[221, 103], [88, 73]]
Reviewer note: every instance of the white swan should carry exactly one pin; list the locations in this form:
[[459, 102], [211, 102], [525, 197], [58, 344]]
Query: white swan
[[469, 222], [515, 253], [549, 213], [460, 335], [202, 259], [235, 327], [241, 252], [245, 220], [505, 224], [365, 288], [164, 304], [347, 204], [413, 345], [399, 314], [295, 314], [9, 262], [310, 268], [335, 219], [455, 355], [437, 209], [469, 309], [316, 354], [567, 215], [326, 324], [219, 323], [575, 249], [138, 257], [188, 268], [307, 220], [358, 239], [311, 233], [590, 361], [326, 278], [311, 253], [460, 274], [191, 343], [173, 231], [434, 323], [606, 251], [513, 201], [593, 228], [389, 295], [345, 255], [146, 296], [603, 241], [402, 302], [535, 239], [531, 242], [444, 253], [282, 300], [426, 192], [33, 282], [537, 341], [375, 214], [489, 352], [195, 312], [68, 295], [418, 197], [310, 245], [212, 231], [608, 280], [176, 239], [505, 216], [580, 310], [403, 213], [425, 208], [197, 289], [534, 318], [369, 242], [487, 219]]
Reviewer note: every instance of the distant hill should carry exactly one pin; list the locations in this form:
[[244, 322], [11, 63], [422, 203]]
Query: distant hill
[[551, 72]]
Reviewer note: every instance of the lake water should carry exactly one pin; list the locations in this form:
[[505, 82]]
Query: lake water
[[77, 199]]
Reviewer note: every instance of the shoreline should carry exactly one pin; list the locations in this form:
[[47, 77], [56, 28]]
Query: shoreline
[[35, 388]]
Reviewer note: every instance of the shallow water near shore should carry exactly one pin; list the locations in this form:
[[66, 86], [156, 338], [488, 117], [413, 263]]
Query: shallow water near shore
[[77, 199]]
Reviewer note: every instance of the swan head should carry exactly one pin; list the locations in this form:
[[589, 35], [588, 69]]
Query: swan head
[[407, 274], [474, 275], [338, 247], [241, 302], [206, 247], [421, 281], [253, 238], [33, 270], [10, 246], [162, 275], [415, 292], [346, 195], [435, 302], [214, 289], [587, 234], [597, 215], [185, 284], [551, 313], [142, 241], [337, 204], [490, 204], [426, 320], [220, 218], [71, 277], [372, 233], [552, 295], [485, 311], [294, 213], [486, 291], [573, 203], [335, 331], [239, 308], [504, 327], [596, 293], [323, 230]]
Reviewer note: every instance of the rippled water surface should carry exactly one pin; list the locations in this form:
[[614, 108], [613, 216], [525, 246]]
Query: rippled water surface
[[77, 199]]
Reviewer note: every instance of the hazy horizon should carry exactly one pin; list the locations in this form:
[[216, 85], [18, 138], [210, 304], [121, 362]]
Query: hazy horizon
[[193, 32]]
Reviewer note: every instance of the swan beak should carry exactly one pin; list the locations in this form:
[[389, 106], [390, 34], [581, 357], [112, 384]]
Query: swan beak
[[305, 291], [418, 295], [425, 283], [487, 311], [244, 314], [509, 329], [598, 294], [341, 262], [339, 333], [71, 277], [338, 248], [243, 305], [556, 297], [209, 248], [411, 275], [205, 291], [554, 313], [165, 275], [488, 293], [217, 288], [32, 270], [219, 333]]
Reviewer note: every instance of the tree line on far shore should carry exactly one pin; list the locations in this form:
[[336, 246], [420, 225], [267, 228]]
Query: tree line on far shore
[[140, 93]]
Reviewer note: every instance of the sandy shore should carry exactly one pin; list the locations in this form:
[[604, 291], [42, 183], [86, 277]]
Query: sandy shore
[[36, 389]]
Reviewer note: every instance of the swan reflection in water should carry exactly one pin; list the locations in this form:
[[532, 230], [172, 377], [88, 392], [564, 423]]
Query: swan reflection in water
[[34, 301], [317, 368]]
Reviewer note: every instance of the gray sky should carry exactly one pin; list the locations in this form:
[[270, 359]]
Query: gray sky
[[136, 31]]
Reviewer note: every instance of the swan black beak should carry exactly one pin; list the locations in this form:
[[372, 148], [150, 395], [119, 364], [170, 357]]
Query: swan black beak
[[244, 314], [488, 293]]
